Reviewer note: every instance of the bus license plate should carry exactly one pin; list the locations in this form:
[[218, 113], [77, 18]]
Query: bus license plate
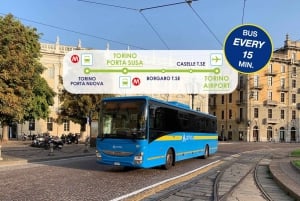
[[117, 163]]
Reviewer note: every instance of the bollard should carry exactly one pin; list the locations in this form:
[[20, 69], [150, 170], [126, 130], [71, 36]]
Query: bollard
[[51, 149], [0, 154], [86, 146]]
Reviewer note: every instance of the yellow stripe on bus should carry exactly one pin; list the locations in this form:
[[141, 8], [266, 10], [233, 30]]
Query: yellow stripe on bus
[[155, 157], [205, 137], [169, 138]]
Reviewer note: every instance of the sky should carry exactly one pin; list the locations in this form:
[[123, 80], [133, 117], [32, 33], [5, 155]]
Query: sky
[[137, 24]]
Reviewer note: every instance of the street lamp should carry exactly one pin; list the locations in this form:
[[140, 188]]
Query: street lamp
[[248, 130], [193, 97]]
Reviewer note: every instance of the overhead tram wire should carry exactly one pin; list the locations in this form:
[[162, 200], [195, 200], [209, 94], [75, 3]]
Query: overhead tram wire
[[110, 5], [141, 13], [80, 33], [205, 24], [160, 6], [167, 5], [189, 2], [156, 32]]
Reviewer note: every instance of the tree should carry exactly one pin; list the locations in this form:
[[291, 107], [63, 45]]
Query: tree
[[77, 107], [21, 84], [43, 97]]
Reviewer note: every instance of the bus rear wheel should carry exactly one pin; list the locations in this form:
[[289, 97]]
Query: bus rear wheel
[[169, 160]]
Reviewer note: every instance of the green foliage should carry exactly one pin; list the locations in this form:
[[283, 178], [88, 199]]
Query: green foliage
[[296, 163], [40, 102], [23, 92], [76, 107], [296, 153]]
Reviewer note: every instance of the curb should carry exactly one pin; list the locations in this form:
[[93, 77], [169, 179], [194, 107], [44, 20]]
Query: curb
[[295, 167], [5, 163], [279, 176]]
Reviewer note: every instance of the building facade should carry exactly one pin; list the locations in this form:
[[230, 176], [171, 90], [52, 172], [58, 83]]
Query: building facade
[[265, 105], [52, 60]]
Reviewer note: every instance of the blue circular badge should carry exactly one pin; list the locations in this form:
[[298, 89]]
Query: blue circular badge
[[248, 48]]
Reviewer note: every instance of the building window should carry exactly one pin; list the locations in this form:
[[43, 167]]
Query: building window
[[241, 80], [66, 125], [269, 95], [294, 71], [241, 96], [282, 69], [270, 81], [230, 114], [293, 83], [270, 113], [270, 68], [293, 98], [255, 95], [198, 109], [293, 114], [223, 114], [282, 97], [241, 113], [51, 72], [50, 124], [282, 83], [255, 112], [293, 57], [255, 80], [222, 99], [281, 114], [230, 98]]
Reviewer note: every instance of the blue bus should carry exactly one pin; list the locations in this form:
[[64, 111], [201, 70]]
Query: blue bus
[[144, 132]]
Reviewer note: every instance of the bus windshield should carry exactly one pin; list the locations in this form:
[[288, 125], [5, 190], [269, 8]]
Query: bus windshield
[[123, 119]]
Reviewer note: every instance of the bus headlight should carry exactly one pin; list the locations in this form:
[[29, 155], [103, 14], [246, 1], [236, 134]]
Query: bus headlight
[[98, 155], [138, 159]]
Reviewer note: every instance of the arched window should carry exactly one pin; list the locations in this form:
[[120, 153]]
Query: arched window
[[255, 134], [269, 133], [281, 134], [293, 134]]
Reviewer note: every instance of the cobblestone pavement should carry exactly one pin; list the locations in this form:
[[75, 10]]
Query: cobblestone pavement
[[18, 152]]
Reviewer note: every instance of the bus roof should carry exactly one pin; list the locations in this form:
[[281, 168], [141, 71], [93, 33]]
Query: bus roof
[[169, 103]]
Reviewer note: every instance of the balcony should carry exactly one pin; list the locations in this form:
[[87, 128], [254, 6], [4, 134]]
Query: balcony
[[212, 105], [239, 120], [270, 73], [257, 86], [271, 121], [239, 102], [282, 89], [240, 87], [270, 103]]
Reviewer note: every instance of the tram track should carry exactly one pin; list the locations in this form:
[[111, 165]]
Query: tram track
[[227, 181], [268, 187]]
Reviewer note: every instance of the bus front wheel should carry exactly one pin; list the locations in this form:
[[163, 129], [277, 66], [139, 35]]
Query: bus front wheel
[[169, 159], [206, 152]]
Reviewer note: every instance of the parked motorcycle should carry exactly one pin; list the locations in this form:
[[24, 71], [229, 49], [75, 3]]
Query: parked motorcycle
[[57, 143], [45, 141], [70, 138], [26, 137], [39, 141]]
